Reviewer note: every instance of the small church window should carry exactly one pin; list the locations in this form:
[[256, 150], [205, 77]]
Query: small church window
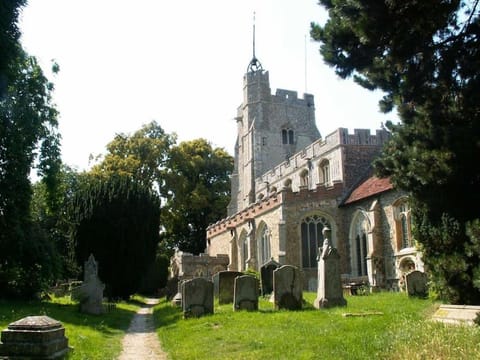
[[403, 226], [265, 253], [288, 136], [324, 172], [358, 244]]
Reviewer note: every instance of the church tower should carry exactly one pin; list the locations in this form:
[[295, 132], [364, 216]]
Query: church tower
[[270, 128]]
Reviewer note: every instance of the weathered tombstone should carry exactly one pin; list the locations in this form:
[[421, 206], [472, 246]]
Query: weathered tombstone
[[90, 293], [416, 283], [266, 276], [177, 299], [34, 337], [197, 297], [329, 291], [223, 285], [287, 288], [246, 293]]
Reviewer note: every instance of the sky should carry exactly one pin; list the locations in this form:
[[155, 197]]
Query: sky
[[180, 63]]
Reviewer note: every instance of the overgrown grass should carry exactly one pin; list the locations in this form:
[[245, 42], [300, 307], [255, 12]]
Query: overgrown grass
[[402, 331], [91, 336]]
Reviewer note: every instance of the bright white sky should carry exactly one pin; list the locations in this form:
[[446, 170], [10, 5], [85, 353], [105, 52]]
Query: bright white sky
[[181, 63]]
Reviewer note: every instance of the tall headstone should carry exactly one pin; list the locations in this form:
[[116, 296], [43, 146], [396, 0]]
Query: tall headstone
[[197, 297], [287, 288], [223, 285], [246, 293], [266, 276], [90, 293], [329, 291], [416, 283]]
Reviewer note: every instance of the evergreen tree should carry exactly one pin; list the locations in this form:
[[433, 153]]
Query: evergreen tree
[[425, 56], [117, 220]]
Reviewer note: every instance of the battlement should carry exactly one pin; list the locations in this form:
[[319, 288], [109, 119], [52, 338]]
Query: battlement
[[290, 96], [315, 153]]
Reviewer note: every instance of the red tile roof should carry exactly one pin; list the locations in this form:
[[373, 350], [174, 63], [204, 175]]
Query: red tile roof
[[369, 187]]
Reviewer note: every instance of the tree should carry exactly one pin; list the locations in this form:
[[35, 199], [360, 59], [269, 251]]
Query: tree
[[141, 155], [9, 35], [197, 191], [28, 124], [425, 56], [117, 220]]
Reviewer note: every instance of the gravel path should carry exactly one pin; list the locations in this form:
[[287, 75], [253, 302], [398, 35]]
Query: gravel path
[[141, 341]]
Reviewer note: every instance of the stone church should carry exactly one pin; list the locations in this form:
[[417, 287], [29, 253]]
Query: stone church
[[289, 183]]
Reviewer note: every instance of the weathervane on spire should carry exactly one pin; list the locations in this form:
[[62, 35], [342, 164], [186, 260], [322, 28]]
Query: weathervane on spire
[[254, 63]]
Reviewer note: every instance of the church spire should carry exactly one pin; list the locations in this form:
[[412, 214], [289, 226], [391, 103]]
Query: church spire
[[254, 65]]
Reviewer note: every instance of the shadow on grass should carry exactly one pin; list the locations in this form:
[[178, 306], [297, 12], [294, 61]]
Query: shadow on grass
[[117, 318], [166, 314]]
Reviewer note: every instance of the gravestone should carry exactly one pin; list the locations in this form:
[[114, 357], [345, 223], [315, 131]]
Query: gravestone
[[223, 285], [329, 291], [457, 314], [90, 293], [197, 297], [34, 337], [177, 299], [266, 276], [287, 288], [416, 284], [246, 293]]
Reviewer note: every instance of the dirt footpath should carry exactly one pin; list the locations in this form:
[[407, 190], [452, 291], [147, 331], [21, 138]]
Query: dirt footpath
[[141, 341]]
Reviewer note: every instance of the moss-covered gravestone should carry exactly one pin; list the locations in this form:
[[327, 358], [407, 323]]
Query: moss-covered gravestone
[[34, 337]]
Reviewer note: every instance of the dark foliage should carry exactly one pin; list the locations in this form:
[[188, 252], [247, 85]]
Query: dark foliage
[[116, 220], [425, 56]]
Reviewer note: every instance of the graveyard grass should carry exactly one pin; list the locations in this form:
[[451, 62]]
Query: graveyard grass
[[91, 336], [402, 331]]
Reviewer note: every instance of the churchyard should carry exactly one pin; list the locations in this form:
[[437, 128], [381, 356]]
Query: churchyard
[[380, 326]]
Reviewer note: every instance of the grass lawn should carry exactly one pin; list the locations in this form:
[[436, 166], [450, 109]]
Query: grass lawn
[[402, 331], [91, 336]]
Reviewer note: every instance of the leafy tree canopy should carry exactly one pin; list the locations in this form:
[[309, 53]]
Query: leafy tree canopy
[[28, 131], [141, 155], [197, 191], [425, 56]]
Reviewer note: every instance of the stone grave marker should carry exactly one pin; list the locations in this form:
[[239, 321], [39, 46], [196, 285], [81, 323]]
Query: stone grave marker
[[90, 293], [456, 314], [246, 293], [287, 288], [329, 291], [197, 297], [34, 337], [223, 285], [416, 284], [266, 276]]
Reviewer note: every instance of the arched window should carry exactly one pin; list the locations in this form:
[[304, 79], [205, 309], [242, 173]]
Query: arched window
[[403, 225], [312, 238], [304, 178], [324, 173], [264, 245], [243, 243], [287, 184], [288, 136], [358, 244]]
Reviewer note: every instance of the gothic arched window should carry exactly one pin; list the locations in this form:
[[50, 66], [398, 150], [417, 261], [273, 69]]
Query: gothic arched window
[[312, 238], [403, 225], [264, 245], [324, 173], [288, 136], [358, 244]]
